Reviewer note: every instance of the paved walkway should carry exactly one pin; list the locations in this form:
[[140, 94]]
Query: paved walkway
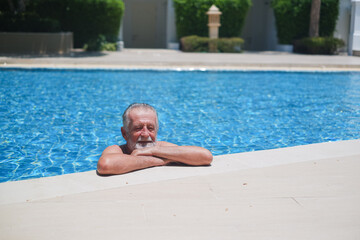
[[304, 192], [162, 58]]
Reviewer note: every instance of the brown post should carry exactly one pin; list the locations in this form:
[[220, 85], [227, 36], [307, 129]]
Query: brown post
[[314, 18]]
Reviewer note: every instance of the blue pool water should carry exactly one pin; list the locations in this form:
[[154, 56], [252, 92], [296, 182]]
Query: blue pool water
[[56, 122]]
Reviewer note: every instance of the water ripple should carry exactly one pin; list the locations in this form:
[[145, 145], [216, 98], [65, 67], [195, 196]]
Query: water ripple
[[56, 122]]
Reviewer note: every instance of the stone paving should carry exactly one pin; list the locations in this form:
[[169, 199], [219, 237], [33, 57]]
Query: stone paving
[[163, 58]]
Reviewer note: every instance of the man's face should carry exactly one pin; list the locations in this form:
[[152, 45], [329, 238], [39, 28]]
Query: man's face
[[141, 130]]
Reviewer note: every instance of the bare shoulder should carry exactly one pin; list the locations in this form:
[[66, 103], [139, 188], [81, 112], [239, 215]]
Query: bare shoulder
[[165, 144], [112, 149]]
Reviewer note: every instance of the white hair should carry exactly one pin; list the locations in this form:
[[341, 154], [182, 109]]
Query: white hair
[[126, 120]]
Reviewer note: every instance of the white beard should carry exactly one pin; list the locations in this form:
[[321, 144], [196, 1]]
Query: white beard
[[144, 142]]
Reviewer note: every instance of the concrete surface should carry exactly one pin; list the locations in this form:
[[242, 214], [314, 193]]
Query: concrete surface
[[303, 192], [163, 58], [43, 188]]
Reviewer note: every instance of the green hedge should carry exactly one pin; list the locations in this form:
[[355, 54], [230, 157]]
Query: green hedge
[[27, 22], [293, 19], [87, 19], [96, 17], [191, 18], [319, 45], [201, 44]]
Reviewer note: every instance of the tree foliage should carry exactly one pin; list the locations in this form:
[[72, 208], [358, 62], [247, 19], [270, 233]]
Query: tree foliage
[[293, 19]]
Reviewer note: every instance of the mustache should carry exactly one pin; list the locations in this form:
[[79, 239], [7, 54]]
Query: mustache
[[144, 142], [144, 139]]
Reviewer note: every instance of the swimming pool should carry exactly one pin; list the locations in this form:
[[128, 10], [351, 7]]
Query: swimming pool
[[56, 122]]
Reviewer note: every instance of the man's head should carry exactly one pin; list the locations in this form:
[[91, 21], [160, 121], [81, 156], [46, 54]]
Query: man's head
[[140, 126]]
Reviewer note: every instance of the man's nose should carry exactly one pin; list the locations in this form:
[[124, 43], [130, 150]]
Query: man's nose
[[145, 132]]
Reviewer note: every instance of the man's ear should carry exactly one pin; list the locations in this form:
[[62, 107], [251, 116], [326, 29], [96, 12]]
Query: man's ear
[[123, 132]]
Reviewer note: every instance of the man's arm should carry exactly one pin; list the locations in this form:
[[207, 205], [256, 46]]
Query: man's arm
[[191, 155], [114, 161]]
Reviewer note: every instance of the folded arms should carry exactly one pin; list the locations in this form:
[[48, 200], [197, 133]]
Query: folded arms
[[114, 161]]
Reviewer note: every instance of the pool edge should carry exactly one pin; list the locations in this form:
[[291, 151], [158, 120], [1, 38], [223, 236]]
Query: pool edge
[[248, 67], [50, 187]]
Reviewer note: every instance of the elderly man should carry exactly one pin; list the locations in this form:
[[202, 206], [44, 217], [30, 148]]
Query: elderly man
[[140, 127]]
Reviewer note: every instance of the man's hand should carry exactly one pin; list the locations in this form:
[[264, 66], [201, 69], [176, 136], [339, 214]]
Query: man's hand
[[147, 151], [169, 152]]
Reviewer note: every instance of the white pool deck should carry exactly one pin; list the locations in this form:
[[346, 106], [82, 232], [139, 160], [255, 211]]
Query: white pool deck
[[302, 192], [172, 59]]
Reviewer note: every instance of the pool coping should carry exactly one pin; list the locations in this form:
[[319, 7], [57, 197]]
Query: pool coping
[[175, 59], [176, 69], [77, 183], [261, 68]]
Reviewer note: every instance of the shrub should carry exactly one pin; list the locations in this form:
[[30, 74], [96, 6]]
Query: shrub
[[201, 44], [4, 6], [191, 18], [87, 19], [194, 44], [319, 45], [95, 44], [99, 44], [285, 21], [55, 9], [27, 22], [293, 18], [108, 47], [230, 45]]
